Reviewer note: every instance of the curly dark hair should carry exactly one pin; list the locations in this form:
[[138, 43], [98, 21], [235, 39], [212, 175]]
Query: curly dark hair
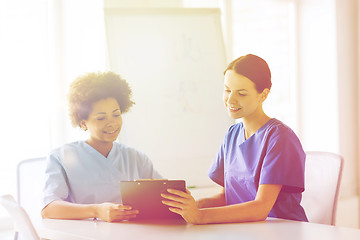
[[89, 88]]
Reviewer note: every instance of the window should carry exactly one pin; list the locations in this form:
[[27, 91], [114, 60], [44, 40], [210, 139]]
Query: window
[[25, 101], [267, 29], [43, 48]]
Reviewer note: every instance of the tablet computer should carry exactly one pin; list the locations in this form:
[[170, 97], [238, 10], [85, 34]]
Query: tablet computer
[[144, 195]]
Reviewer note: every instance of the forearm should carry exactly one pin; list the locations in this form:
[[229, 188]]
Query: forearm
[[243, 212], [65, 210], [217, 200]]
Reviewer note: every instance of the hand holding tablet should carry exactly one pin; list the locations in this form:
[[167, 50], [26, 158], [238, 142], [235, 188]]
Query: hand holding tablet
[[145, 196]]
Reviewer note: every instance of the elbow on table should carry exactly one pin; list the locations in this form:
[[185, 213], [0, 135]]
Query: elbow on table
[[261, 217], [262, 212], [258, 217], [45, 212]]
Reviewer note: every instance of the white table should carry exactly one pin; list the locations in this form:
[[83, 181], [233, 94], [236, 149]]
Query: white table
[[276, 229]]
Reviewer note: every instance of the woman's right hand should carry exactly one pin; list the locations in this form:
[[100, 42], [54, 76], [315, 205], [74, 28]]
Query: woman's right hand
[[111, 212]]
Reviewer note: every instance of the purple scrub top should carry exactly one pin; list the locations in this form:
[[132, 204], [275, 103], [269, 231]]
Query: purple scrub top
[[273, 155]]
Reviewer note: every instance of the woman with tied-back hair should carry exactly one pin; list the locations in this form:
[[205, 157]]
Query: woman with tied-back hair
[[260, 164]]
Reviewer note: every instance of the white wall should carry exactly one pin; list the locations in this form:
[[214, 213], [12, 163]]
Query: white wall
[[317, 75], [328, 78], [347, 79]]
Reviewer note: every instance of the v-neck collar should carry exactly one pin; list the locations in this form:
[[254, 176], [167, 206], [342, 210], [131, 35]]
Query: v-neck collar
[[242, 134], [93, 150]]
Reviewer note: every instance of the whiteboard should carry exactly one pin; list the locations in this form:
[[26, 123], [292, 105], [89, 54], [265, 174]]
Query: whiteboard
[[173, 60]]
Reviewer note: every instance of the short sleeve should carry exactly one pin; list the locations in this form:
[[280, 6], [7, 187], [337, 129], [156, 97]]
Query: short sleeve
[[147, 169], [56, 184], [216, 170], [284, 162]]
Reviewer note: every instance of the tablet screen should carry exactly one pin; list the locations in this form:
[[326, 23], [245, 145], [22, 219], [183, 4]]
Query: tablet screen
[[144, 195]]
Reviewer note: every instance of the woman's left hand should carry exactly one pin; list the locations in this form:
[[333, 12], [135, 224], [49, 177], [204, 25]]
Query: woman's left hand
[[183, 204]]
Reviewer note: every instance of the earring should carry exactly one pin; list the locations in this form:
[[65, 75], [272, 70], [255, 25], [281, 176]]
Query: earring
[[83, 126]]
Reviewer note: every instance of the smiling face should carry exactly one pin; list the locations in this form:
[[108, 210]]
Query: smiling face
[[241, 98], [104, 122]]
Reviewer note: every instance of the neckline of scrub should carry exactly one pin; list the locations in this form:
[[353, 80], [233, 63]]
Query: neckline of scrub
[[92, 149], [271, 120]]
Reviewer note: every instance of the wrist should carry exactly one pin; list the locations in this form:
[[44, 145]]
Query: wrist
[[201, 203], [94, 210], [198, 204], [201, 216]]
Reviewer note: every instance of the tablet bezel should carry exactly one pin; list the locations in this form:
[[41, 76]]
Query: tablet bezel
[[144, 195]]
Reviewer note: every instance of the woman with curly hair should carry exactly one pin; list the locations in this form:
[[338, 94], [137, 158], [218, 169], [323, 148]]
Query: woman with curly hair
[[82, 178]]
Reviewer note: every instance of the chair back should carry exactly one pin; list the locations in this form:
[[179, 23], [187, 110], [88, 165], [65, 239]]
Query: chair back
[[30, 183], [22, 221], [322, 182]]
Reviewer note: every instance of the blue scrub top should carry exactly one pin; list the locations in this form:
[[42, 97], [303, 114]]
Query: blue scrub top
[[78, 173], [273, 155]]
